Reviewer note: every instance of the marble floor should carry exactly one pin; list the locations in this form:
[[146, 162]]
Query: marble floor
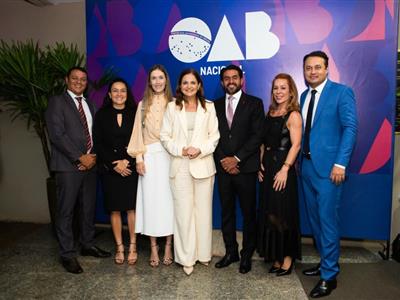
[[29, 269]]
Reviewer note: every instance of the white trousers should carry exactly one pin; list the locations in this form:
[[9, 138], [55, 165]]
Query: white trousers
[[193, 216]]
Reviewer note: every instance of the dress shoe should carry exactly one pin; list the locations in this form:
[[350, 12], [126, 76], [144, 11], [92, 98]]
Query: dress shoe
[[71, 265], [314, 271], [188, 270], [95, 251], [323, 288], [245, 265], [227, 260], [283, 272]]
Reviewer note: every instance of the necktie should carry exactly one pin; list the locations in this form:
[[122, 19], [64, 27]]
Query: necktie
[[229, 111], [306, 143], [85, 125]]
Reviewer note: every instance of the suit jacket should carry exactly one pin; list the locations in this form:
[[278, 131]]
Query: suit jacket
[[174, 137], [334, 128], [243, 139], [66, 132]]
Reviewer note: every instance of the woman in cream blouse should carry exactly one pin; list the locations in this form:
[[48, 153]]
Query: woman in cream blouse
[[190, 134], [154, 207]]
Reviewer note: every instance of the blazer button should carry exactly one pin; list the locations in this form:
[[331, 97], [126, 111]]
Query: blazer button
[[230, 136], [115, 150]]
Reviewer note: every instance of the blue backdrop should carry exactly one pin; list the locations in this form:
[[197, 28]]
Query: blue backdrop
[[266, 38]]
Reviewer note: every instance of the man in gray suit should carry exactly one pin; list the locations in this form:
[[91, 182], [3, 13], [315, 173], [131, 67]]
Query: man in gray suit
[[69, 119]]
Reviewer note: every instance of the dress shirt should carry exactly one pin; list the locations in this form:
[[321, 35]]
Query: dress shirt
[[151, 132], [88, 114], [307, 102], [235, 101]]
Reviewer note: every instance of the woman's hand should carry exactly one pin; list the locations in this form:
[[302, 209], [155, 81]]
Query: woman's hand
[[280, 179], [193, 152], [122, 167], [140, 168], [261, 173]]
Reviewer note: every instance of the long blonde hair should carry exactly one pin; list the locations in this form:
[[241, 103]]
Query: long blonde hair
[[149, 93]]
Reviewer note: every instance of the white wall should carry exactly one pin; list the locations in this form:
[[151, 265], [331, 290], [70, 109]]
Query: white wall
[[23, 172]]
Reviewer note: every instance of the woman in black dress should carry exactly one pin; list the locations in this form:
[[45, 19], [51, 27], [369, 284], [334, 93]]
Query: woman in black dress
[[111, 131], [279, 232]]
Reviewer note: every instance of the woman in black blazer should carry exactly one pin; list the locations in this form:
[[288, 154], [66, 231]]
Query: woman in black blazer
[[111, 132]]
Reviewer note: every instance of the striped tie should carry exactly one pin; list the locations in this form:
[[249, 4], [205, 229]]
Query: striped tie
[[85, 125]]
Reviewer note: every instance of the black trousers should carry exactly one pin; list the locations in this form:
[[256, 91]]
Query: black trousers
[[242, 186], [75, 188]]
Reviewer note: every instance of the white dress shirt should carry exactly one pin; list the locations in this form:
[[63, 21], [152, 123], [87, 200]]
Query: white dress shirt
[[88, 114], [235, 101]]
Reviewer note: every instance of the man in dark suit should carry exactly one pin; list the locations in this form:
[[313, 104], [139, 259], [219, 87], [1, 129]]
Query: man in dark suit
[[329, 111], [237, 157], [69, 119]]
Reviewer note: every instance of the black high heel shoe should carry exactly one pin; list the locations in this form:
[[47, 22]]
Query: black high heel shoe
[[274, 269], [283, 272]]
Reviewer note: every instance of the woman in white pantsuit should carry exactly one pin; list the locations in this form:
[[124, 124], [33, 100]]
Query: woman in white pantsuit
[[190, 134]]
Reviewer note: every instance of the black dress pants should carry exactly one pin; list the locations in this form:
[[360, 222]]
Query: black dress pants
[[243, 187], [75, 188]]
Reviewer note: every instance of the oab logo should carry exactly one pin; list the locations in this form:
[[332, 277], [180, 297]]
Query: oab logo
[[190, 40]]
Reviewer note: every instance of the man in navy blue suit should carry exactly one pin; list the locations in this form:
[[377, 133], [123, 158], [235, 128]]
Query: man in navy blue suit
[[330, 128]]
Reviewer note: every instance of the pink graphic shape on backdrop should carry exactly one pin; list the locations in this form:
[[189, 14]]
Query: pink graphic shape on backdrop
[[139, 84], [126, 37], [333, 70], [173, 18], [278, 25], [380, 151], [101, 47], [375, 30], [310, 22], [390, 7]]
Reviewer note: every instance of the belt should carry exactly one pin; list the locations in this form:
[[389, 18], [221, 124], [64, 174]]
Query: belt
[[307, 155]]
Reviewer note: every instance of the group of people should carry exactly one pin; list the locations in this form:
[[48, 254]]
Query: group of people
[[157, 162]]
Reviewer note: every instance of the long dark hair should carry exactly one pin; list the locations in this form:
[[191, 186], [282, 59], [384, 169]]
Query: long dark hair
[[130, 100], [180, 98]]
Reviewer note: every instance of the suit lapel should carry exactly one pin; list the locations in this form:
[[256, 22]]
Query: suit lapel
[[239, 110], [182, 119], [72, 105], [322, 100], [200, 113]]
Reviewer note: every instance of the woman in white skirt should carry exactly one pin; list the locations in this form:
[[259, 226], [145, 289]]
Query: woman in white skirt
[[190, 134], [154, 204]]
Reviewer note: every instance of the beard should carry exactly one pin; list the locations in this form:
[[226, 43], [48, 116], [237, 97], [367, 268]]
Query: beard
[[232, 89]]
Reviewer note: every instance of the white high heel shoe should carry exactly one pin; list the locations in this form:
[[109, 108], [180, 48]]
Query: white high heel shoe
[[188, 270]]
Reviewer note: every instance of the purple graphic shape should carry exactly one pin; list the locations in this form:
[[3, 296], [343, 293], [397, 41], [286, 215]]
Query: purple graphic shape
[[173, 18], [310, 22], [380, 152], [126, 37], [375, 30]]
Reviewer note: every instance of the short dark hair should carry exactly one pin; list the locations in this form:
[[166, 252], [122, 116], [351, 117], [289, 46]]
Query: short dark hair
[[317, 53], [230, 67], [77, 68]]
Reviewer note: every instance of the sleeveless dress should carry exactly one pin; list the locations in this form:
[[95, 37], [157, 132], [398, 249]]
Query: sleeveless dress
[[278, 223], [110, 142]]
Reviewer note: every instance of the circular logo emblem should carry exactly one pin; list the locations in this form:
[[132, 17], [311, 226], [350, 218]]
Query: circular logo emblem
[[189, 40]]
